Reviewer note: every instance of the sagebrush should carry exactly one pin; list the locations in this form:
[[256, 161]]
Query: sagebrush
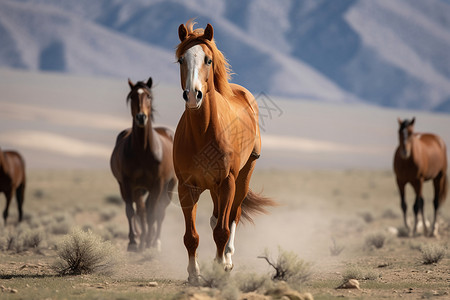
[[85, 252]]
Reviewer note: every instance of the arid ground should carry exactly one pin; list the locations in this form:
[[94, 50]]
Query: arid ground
[[327, 165], [315, 208]]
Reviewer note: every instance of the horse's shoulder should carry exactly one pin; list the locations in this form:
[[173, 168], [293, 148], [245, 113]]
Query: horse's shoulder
[[122, 135]]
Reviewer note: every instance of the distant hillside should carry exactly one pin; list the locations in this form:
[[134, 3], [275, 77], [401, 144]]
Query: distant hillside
[[390, 53]]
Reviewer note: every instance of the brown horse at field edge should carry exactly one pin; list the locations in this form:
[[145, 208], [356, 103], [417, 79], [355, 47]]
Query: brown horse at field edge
[[142, 162], [12, 180], [418, 158], [216, 144]]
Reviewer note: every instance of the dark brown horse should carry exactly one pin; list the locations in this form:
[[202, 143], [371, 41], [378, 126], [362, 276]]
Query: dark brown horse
[[142, 162], [418, 158], [217, 142], [12, 180]]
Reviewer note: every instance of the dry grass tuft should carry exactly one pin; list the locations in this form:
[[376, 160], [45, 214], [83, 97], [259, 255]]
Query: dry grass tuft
[[84, 253], [289, 267], [335, 249], [432, 253], [376, 240]]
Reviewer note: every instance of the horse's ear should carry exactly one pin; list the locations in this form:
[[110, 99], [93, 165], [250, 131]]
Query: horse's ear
[[400, 122], [149, 82], [130, 83], [412, 121], [209, 32], [182, 32]]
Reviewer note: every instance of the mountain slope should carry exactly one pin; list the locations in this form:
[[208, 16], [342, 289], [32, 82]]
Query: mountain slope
[[391, 53]]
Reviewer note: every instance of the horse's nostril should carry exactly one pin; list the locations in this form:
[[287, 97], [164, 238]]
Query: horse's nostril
[[185, 95], [140, 118], [199, 95]]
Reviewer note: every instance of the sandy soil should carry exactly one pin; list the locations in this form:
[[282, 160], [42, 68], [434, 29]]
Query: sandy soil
[[315, 207]]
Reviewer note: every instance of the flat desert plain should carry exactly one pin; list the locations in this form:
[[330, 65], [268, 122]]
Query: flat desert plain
[[328, 165]]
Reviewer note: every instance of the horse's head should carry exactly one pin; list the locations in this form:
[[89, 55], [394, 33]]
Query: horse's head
[[200, 61], [405, 133], [140, 98]]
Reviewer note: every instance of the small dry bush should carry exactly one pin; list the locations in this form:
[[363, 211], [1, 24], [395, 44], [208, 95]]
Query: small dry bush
[[289, 267], [432, 253], [84, 253], [250, 282], [335, 249], [376, 240], [359, 273]]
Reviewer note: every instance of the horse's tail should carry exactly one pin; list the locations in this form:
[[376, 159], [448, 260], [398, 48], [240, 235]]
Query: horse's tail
[[255, 204]]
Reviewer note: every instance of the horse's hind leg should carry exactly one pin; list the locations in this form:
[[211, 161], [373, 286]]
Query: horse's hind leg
[[401, 189], [439, 185], [20, 191], [242, 186], [8, 195]]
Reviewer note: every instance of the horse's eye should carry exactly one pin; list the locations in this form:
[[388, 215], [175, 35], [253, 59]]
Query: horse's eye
[[180, 60], [208, 61]]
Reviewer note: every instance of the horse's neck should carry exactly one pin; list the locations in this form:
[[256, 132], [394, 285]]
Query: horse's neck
[[205, 117], [143, 137]]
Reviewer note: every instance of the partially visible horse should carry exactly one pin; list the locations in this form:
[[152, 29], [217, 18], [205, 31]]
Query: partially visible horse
[[142, 162], [12, 180], [216, 144], [418, 158]]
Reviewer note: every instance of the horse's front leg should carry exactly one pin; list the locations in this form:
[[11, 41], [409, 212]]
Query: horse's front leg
[[418, 207], [188, 200], [138, 198], [151, 205], [126, 193], [401, 189], [223, 198]]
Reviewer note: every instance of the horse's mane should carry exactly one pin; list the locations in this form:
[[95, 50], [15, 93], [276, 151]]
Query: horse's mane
[[143, 85], [221, 67]]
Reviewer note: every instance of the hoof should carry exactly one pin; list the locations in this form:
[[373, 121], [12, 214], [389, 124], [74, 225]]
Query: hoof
[[228, 267], [194, 280], [132, 247]]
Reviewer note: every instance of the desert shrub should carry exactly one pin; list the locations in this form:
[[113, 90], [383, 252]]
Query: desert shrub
[[213, 275], [432, 253], [403, 231], [107, 214], [367, 217], [33, 238], [389, 214], [356, 272], [288, 267], [250, 282], [117, 231], [115, 200], [61, 225], [83, 253], [335, 249], [376, 240]]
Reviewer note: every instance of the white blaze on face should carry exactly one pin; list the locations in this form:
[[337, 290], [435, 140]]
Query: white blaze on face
[[140, 91], [194, 58]]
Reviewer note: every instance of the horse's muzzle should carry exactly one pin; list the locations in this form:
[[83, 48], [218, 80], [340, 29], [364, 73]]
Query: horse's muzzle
[[141, 119]]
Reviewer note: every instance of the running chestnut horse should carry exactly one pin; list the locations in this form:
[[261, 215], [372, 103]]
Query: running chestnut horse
[[142, 162], [216, 144], [12, 180], [418, 158]]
